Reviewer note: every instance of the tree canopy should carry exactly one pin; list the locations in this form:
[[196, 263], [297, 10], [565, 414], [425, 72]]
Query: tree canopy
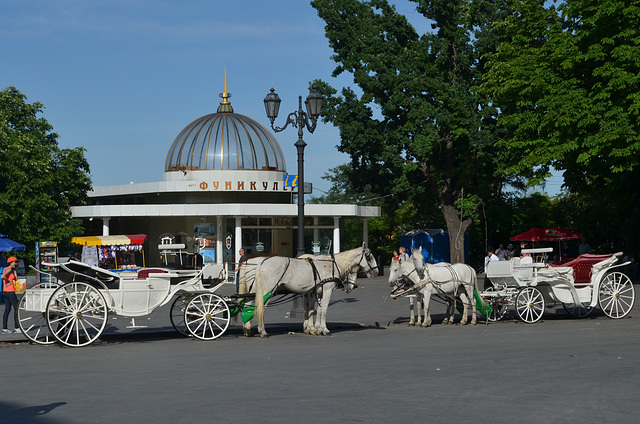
[[413, 125], [38, 180], [567, 82]]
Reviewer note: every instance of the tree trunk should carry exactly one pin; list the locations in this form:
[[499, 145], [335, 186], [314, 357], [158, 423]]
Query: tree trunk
[[456, 229]]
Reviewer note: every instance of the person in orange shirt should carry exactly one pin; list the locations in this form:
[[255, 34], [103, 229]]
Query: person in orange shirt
[[9, 275]]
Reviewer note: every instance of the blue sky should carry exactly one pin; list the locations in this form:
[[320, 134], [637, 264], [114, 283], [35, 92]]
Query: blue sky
[[123, 77]]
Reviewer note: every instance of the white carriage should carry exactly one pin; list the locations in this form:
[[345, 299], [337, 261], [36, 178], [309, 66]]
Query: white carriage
[[74, 311], [531, 285]]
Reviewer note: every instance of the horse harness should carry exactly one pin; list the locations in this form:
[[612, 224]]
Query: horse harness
[[332, 279], [426, 280]]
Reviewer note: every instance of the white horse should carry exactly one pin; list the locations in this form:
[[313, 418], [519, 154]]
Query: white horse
[[418, 260], [310, 275], [444, 281]]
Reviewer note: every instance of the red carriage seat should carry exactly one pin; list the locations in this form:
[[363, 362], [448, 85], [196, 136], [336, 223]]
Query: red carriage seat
[[144, 273], [582, 267]]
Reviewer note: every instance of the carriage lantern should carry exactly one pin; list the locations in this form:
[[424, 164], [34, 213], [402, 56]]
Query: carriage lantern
[[300, 120]]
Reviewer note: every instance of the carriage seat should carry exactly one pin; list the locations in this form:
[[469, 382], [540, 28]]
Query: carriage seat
[[582, 267], [144, 273], [522, 268], [509, 272]]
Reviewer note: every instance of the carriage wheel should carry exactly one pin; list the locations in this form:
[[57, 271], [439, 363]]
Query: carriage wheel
[[530, 305], [177, 315], [616, 295], [578, 311], [207, 316], [499, 306], [76, 314], [33, 324]]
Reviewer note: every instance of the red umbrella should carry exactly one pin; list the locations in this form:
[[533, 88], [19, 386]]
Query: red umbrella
[[547, 234]]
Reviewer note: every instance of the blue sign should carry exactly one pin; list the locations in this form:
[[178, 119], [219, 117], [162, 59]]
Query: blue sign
[[290, 180]]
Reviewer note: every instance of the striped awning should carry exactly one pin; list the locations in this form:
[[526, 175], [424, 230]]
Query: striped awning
[[110, 240]]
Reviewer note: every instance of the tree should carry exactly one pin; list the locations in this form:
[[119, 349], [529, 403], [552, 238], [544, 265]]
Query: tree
[[416, 127], [385, 231], [39, 182], [567, 83]]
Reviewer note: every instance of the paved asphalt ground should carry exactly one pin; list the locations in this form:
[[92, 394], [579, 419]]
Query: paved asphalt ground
[[373, 368]]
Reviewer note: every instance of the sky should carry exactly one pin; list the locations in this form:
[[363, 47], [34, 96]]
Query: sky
[[122, 78]]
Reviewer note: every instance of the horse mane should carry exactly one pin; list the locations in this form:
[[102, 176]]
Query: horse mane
[[345, 261]]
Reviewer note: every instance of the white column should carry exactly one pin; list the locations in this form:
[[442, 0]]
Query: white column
[[219, 240], [238, 237], [365, 230], [105, 226], [316, 232], [336, 234]]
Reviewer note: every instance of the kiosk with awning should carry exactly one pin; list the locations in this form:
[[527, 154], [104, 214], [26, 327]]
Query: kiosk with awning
[[115, 252]]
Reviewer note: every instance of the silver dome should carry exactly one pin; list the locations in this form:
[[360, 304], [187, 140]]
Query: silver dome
[[225, 140]]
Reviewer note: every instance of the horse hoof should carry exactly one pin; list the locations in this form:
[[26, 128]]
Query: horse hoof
[[248, 334], [264, 336]]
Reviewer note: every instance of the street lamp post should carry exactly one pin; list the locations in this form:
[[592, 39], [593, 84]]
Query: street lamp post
[[300, 120]]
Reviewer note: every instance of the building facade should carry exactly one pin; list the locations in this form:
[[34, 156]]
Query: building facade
[[225, 186]]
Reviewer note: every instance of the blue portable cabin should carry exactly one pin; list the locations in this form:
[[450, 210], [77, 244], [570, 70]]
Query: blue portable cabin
[[434, 243]]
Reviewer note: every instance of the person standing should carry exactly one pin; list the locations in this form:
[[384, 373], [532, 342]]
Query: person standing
[[584, 247], [501, 252], [9, 276], [243, 259], [490, 257], [404, 256]]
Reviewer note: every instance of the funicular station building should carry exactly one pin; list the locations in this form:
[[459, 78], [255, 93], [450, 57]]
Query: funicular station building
[[223, 188]]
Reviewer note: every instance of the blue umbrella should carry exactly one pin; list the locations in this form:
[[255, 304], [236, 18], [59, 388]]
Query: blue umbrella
[[8, 245]]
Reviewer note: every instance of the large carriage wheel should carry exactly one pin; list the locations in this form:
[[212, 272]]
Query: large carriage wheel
[[76, 314], [578, 311], [33, 324], [177, 315], [530, 305], [207, 316], [616, 295], [499, 306]]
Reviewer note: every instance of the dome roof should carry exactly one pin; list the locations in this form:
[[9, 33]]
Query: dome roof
[[225, 141]]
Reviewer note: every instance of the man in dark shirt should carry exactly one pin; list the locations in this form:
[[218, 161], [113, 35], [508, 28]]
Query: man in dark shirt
[[243, 259]]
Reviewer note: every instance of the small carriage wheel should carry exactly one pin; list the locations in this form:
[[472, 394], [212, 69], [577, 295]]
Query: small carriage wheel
[[578, 311], [530, 305], [616, 295], [33, 324], [499, 306], [76, 314], [207, 316], [177, 315]]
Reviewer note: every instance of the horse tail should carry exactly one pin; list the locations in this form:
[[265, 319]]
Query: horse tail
[[259, 301], [475, 287]]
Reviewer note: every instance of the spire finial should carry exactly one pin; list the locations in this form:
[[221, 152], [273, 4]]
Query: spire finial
[[225, 105]]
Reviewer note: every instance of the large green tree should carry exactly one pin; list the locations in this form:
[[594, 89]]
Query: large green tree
[[412, 123], [38, 180], [567, 81]]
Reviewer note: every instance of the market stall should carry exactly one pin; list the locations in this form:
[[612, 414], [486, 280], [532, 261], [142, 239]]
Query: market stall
[[118, 252]]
